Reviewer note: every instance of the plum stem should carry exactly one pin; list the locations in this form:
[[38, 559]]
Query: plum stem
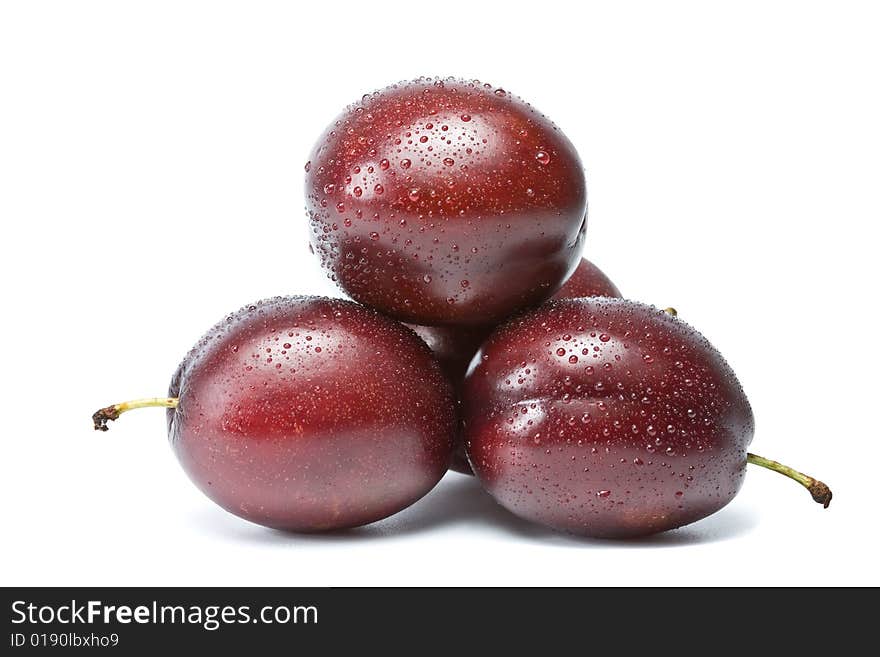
[[671, 311], [820, 492], [110, 413]]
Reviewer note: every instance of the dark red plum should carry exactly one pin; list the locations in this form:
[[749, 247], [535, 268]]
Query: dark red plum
[[608, 418], [446, 202], [587, 281], [454, 347], [308, 414]]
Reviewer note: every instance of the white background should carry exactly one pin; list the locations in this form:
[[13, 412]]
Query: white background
[[151, 166]]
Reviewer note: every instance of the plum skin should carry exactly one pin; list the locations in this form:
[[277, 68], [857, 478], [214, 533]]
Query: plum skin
[[587, 281], [605, 418], [310, 414], [455, 346], [444, 202]]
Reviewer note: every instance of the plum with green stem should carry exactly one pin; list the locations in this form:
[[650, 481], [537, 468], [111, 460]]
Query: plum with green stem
[[609, 418], [308, 414]]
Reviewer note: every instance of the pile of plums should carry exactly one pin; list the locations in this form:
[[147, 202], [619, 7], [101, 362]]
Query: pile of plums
[[454, 214]]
